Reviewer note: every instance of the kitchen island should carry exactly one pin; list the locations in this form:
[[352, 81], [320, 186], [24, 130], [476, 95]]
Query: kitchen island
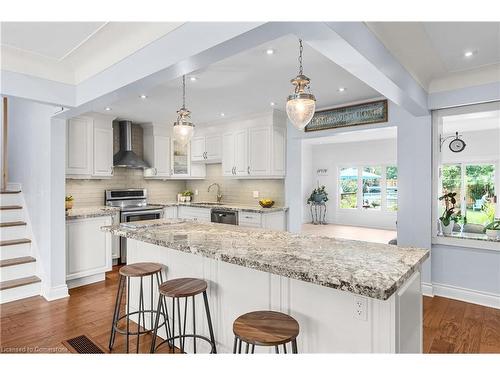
[[348, 296]]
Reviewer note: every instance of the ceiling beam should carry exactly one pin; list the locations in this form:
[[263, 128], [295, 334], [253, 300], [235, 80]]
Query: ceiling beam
[[352, 46]]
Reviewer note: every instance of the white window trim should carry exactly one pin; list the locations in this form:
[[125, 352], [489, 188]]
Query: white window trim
[[359, 196], [437, 126]]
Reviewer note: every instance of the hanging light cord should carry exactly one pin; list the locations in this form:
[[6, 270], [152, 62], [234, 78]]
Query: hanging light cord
[[183, 91], [300, 56]]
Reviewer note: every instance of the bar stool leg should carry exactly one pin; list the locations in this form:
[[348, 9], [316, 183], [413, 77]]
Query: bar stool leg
[[194, 325], [173, 325], [157, 321], [294, 346], [277, 349], [239, 347], [116, 313], [284, 348], [128, 312], [235, 344], [141, 308], [253, 348], [209, 320]]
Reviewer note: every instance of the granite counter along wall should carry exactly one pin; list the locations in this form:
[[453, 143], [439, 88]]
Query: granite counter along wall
[[237, 190], [91, 192]]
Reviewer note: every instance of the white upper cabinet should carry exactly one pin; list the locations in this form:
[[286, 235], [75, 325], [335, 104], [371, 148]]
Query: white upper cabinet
[[180, 165], [156, 151], [103, 152], [256, 147], [79, 146], [89, 147], [207, 149], [228, 154]]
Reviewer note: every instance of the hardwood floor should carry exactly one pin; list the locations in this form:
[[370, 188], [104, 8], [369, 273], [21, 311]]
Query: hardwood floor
[[35, 325]]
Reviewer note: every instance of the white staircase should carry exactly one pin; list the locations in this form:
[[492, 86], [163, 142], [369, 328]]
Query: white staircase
[[18, 268]]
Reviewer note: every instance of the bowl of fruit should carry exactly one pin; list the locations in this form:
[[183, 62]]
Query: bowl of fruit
[[266, 203]]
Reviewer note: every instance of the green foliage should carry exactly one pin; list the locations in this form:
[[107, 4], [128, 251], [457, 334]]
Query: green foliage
[[392, 173], [449, 204], [187, 193], [348, 201], [69, 198], [494, 225], [489, 210]]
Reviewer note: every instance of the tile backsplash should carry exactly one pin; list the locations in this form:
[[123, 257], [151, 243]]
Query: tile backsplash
[[236, 191]]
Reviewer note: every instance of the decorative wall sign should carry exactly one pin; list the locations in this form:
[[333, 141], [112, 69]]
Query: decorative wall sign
[[358, 114], [322, 172]]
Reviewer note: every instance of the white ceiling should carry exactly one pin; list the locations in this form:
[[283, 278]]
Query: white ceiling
[[50, 39], [245, 83], [434, 50], [71, 52]]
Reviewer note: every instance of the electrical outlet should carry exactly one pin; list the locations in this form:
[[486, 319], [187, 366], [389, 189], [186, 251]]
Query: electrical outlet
[[360, 308], [255, 194], [196, 192]]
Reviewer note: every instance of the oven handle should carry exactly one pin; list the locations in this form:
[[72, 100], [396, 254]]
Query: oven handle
[[145, 212]]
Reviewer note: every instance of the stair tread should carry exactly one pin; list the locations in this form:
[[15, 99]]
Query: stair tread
[[10, 191], [15, 242], [12, 224], [16, 261], [19, 282], [12, 207]]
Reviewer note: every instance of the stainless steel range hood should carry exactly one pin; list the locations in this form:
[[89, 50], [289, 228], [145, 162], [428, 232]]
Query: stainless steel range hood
[[126, 158]]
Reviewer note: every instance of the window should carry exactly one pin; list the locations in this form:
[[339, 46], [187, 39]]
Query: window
[[370, 188], [391, 188], [348, 188], [372, 195]]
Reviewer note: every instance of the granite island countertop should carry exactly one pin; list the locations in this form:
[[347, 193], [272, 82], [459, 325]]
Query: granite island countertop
[[91, 211], [368, 269], [226, 206]]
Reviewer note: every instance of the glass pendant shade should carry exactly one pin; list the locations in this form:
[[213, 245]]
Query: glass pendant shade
[[183, 129], [300, 111]]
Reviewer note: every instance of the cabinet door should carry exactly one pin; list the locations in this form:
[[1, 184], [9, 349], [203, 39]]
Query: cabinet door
[[79, 146], [88, 249], [180, 159], [279, 153], [103, 152], [198, 149], [259, 147], [228, 154], [241, 153], [213, 147], [161, 167]]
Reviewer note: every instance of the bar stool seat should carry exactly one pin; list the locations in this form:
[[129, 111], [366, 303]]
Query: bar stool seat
[[184, 287], [265, 328], [140, 269]]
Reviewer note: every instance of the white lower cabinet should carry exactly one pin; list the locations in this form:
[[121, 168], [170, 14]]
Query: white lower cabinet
[[170, 212], [272, 221], [197, 213], [88, 250]]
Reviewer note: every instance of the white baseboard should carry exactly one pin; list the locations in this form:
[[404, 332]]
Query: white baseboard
[[51, 294], [427, 289], [86, 280], [467, 295]]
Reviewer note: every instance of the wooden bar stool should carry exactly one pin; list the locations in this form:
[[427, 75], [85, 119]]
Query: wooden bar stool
[[177, 289], [265, 328], [127, 272]]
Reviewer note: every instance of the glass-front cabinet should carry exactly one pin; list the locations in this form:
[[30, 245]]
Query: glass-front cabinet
[[180, 161]]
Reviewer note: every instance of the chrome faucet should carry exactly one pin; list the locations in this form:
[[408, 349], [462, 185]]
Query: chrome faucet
[[219, 195]]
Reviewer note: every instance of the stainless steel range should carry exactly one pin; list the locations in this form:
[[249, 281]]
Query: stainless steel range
[[133, 204]]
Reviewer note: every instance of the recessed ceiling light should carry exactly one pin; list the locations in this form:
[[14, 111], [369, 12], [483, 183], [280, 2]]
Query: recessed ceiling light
[[192, 79], [341, 89], [222, 114], [272, 104], [270, 51], [469, 53], [143, 96], [107, 109]]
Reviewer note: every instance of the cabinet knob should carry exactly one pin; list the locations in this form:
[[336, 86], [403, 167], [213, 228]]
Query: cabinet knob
[[248, 169], [155, 171]]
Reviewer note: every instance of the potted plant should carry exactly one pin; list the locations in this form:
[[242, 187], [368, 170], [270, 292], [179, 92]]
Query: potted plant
[[448, 217], [318, 195], [492, 230], [187, 195], [69, 202]]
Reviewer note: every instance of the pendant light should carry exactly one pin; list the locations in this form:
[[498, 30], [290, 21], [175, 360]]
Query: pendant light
[[183, 127], [301, 105]]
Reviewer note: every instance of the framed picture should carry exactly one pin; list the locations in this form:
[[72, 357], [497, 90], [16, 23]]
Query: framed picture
[[351, 115]]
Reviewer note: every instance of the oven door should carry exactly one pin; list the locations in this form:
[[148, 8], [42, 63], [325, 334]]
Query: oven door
[[130, 216]]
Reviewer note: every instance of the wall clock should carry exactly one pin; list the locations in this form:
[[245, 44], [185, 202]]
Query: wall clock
[[456, 144]]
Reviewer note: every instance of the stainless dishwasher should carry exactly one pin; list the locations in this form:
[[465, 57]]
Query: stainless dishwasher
[[223, 216]]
